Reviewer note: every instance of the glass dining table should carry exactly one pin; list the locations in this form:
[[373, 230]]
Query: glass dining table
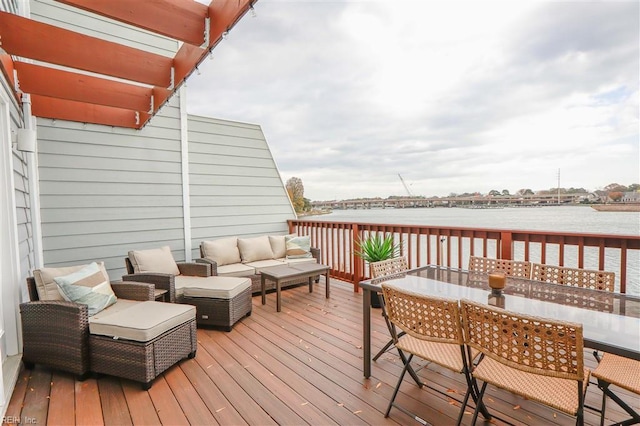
[[611, 321]]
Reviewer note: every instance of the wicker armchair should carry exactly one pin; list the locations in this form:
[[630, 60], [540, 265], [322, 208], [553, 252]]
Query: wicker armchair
[[513, 268], [55, 333], [574, 277], [220, 301], [166, 281], [536, 358], [433, 332], [624, 373]]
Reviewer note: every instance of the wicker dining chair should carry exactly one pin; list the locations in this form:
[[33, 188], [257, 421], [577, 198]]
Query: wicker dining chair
[[622, 372], [574, 277], [387, 268], [432, 332], [536, 358], [512, 268]]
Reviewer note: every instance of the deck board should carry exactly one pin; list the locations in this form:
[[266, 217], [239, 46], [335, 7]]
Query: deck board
[[300, 366], [36, 400], [140, 405], [62, 391], [88, 407], [114, 403]]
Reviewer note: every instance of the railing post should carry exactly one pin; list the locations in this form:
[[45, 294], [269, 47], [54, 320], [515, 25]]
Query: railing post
[[291, 226], [357, 265], [506, 244]]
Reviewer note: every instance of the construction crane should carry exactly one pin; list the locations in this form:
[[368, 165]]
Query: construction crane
[[406, 187]]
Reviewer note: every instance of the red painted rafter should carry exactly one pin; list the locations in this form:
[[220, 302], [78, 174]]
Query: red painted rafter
[[47, 43], [79, 97], [224, 15], [36, 80], [42, 106], [182, 20]]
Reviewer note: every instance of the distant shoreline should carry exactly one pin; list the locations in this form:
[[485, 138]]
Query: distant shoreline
[[617, 207]]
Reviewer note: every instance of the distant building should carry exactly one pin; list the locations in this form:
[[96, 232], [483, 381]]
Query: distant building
[[631, 197]]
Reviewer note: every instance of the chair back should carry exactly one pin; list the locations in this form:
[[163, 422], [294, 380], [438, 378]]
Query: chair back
[[535, 345], [129, 265], [33, 290], [423, 317], [513, 268], [574, 277], [387, 267]]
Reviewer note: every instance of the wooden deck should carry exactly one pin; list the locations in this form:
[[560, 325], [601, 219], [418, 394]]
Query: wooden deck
[[300, 366]]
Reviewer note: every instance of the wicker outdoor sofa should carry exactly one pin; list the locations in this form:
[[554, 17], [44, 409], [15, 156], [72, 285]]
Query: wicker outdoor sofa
[[61, 335], [246, 257]]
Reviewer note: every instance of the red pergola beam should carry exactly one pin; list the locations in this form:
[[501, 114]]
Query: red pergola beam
[[47, 43], [94, 99], [182, 20], [36, 80], [42, 106]]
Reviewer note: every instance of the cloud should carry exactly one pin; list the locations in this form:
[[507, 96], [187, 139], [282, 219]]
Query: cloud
[[455, 96]]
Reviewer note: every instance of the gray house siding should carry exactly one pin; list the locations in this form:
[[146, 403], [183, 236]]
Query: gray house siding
[[234, 183], [23, 214], [104, 191]]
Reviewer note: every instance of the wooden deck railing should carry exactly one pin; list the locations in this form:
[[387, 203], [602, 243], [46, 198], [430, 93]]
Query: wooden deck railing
[[452, 246]]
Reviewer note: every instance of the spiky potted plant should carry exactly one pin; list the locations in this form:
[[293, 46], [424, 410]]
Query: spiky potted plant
[[374, 249]]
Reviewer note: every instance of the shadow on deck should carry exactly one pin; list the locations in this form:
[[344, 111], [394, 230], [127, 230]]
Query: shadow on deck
[[300, 366]]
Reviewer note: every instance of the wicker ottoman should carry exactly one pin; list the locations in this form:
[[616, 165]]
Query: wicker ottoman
[[219, 301], [141, 339]]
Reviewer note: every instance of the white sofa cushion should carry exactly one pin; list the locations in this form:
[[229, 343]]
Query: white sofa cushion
[[261, 264], [236, 270], [141, 322], [223, 251], [278, 246], [87, 286], [158, 260], [46, 286], [252, 249], [212, 287]]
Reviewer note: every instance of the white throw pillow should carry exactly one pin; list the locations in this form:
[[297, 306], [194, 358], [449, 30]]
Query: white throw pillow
[[158, 260], [87, 286], [278, 246], [252, 249], [223, 251]]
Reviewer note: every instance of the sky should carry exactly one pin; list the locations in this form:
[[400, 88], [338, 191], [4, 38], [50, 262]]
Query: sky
[[453, 96]]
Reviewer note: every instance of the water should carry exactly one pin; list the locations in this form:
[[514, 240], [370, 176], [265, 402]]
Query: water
[[582, 219]]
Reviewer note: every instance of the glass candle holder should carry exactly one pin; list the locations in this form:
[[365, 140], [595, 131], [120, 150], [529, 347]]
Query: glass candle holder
[[497, 281]]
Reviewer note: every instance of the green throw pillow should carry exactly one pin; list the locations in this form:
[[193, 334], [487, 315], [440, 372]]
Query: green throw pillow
[[88, 287], [298, 247]]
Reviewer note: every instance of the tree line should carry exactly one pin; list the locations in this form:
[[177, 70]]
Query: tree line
[[614, 191]]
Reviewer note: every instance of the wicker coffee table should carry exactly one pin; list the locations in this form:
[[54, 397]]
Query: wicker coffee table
[[281, 274]]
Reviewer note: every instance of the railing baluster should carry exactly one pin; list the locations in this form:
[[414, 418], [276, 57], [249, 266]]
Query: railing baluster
[[336, 241]]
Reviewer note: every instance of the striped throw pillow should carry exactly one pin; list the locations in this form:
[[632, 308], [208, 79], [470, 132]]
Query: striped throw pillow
[[88, 287], [298, 247]]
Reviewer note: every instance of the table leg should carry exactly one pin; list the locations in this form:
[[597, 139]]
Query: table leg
[[366, 332], [264, 290], [326, 281], [278, 302], [310, 284]]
